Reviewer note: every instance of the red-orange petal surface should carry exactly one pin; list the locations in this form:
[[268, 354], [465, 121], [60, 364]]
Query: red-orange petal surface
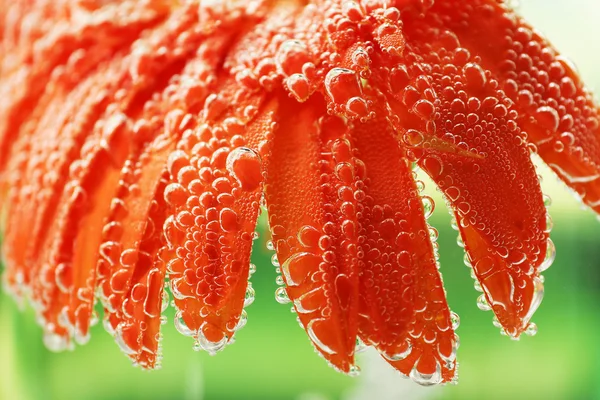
[[138, 138]]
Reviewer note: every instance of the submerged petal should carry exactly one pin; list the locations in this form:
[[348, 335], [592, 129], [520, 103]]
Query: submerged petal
[[134, 251], [460, 128], [555, 109], [213, 198], [86, 200], [403, 310], [311, 199], [137, 140]]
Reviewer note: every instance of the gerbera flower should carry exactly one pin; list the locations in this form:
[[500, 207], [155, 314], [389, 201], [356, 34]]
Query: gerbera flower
[[139, 140]]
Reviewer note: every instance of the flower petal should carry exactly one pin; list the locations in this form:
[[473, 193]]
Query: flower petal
[[67, 51], [78, 212], [213, 197], [403, 310], [63, 85], [460, 128], [555, 109], [311, 199], [133, 260]]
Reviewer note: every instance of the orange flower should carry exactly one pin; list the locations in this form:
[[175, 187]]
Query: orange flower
[[138, 140]]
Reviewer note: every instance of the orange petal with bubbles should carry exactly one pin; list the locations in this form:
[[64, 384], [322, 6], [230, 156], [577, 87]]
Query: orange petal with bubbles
[[403, 310], [213, 197], [85, 202], [70, 50], [312, 203], [555, 109], [134, 255], [137, 140], [459, 127]]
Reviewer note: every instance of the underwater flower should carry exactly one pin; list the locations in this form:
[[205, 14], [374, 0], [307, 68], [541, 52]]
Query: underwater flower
[[139, 141]]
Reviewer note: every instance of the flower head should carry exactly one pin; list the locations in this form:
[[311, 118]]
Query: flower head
[[139, 139]]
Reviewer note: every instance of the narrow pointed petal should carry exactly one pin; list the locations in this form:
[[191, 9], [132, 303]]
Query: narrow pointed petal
[[460, 128], [51, 144], [555, 108], [311, 199], [403, 310], [213, 195], [131, 272], [133, 260], [87, 197], [72, 44]]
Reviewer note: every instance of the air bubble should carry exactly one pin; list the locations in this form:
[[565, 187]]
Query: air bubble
[[531, 329], [341, 85], [310, 330], [210, 347], [454, 224], [249, 297], [474, 75], [402, 355], [538, 296], [281, 296], [357, 106], [547, 117], [121, 341], [428, 206], [496, 323], [291, 57], [242, 321], [360, 346], [467, 260], [181, 326], [550, 256], [483, 304], [244, 165], [455, 320], [275, 260], [298, 86], [422, 379], [354, 370]]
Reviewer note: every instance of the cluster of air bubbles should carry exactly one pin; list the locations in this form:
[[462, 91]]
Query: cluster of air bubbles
[[549, 258], [426, 379], [428, 208], [248, 298], [56, 343], [482, 301], [165, 301], [159, 351], [450, 361], [281, 295], [345, 92], [201, 342]]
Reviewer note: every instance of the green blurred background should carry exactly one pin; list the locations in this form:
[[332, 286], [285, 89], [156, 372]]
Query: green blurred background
[[272, 358]]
